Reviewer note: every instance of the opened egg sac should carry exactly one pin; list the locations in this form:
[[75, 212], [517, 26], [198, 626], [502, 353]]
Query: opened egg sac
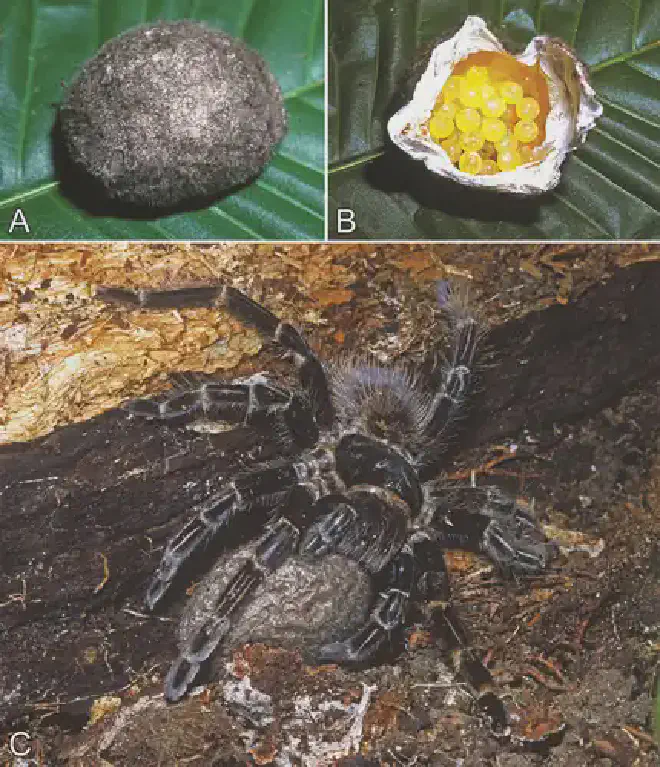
[[486, 118]]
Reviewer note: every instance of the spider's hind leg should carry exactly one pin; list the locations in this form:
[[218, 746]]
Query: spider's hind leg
[[433, 589], [387, 616], [370, 527], [256, 492], [274, 547]]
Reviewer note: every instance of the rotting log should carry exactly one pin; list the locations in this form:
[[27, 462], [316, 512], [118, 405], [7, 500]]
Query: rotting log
[[96, 493]]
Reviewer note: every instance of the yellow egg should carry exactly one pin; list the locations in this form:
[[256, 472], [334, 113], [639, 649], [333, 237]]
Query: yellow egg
[[471, 142], [526, 154], [492, 129], [526, 131], [448, 109], [507, 144], [468, 120], [450, 145], [511, 92], [489, 168], [440, 126], [488, 150], [528, 109], [509, 116], [470, 94], [470, 162], [487, 92], [493, 106], [508, 160], [477, 75], [452, 89]]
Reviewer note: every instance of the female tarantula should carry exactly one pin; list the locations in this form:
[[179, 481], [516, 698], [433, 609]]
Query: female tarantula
[[357, 477]]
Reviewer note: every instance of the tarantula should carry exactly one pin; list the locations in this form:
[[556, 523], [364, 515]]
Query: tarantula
[[359, 449]]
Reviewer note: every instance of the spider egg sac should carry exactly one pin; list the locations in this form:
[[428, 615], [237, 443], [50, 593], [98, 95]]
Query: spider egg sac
[[302, 605], [171, 114], [516, 117]]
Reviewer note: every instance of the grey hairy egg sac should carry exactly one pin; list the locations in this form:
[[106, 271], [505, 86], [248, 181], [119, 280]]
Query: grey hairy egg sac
[[301, 606], [171, 114]]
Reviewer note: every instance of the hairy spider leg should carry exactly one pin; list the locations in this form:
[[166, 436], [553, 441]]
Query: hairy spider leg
[[487, 521], [283, 416], [310, 370], [278, 542], [446, 626], [256, 492], [367, 524], [457, 373]]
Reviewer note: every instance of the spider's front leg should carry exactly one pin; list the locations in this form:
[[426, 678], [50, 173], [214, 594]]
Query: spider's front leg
[[280, 415], [274, 547], [310, 370]]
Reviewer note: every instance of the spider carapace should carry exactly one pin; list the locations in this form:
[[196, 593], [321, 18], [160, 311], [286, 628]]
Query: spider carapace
[[359, 445]]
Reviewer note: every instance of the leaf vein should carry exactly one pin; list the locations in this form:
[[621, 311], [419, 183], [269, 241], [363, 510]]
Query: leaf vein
[[29, 85], [615, 105], [362, 159], [627, 147], [635, 23], [272, 189], [303, 90], [580, 213], [622, 57], [577, 22], [27, 195], [300, 163], [218, 211], [609, 181]]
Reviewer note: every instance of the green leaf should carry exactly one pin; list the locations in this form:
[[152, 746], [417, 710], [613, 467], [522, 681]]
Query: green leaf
[[44, 42], [610, 187]]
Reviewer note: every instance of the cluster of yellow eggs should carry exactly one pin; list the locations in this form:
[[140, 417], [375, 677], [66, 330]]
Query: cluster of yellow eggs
[[486, 126]]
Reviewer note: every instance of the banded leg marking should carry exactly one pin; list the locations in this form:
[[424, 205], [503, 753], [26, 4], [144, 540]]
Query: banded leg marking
[[387, 615], [275, 546], [433, 586], [310, 370], [487, 521], [257, 491]]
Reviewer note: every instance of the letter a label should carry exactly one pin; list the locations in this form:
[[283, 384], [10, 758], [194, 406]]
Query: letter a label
[[19, 221]]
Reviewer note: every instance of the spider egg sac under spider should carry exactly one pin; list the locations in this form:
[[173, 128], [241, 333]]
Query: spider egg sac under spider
[[171, 114], [304, 604]]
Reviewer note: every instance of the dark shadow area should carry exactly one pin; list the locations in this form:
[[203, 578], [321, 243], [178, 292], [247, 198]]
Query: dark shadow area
[[395, 171], [85, 192]]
